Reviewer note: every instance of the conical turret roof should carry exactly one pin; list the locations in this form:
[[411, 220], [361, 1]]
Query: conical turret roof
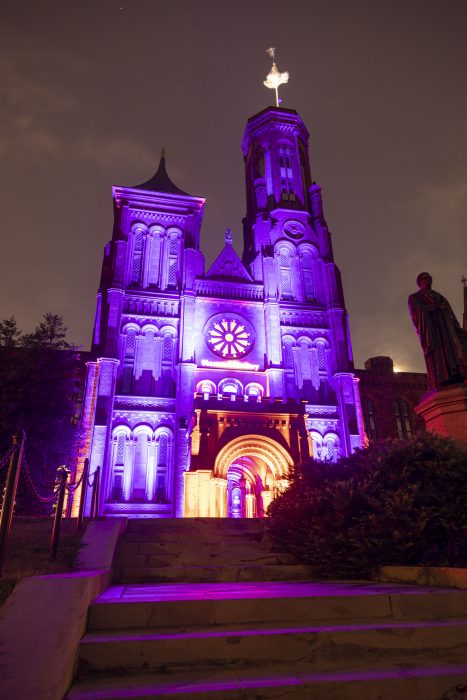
[[160, 181]]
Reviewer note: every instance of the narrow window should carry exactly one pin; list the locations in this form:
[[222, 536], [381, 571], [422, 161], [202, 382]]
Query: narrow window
[[285, 162], [160, 495], [137, 257], [138, 491], [129, 362], [285, 275], [172, 270], [288, 355], [116, 494], [308, 282], [369, 417], [402, 414], [403, 422]]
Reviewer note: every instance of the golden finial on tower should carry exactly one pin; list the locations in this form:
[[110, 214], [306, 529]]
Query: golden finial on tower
[[275, 77]]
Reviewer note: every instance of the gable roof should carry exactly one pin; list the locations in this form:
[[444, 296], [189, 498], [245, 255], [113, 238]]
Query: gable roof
[[228, 266]]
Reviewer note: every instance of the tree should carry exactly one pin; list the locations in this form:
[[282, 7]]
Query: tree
[[50, 334], [38, 377], [10, 335]]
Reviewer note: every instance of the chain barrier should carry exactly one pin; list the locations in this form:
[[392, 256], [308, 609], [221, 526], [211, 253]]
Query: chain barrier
[[71, 488], [37, 495]]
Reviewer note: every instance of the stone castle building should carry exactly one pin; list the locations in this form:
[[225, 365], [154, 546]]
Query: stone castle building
[[209, 385]]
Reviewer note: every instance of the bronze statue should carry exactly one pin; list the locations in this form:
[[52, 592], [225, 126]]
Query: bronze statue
[[443, 341]]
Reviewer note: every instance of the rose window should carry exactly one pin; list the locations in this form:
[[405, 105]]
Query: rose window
[[229, 338]]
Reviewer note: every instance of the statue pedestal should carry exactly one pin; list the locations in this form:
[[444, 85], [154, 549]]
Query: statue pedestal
[[444, 411]]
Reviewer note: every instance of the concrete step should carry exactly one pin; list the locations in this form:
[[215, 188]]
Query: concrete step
[[228, 548], [314, 648], [193, 523], [196, 524], [211, 573], [269, 603], [411, 682], [180, 536], [203, 558]]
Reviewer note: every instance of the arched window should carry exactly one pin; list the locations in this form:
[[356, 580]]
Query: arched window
[[231, 387], [402, 414], [206, 388], [137, 257], [254, 391], [330, 448]]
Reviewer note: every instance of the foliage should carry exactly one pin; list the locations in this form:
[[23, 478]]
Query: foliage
[[397, 502], [37, 385], [50, 334]]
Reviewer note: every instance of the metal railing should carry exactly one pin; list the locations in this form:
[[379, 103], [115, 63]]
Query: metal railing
[[16, 459], [9, 495]]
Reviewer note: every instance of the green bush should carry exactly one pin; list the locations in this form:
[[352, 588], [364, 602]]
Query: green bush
[[396, 502]]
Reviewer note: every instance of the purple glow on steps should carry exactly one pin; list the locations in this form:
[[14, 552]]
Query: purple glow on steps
[[265, 631], [278, 681], [246, 590]]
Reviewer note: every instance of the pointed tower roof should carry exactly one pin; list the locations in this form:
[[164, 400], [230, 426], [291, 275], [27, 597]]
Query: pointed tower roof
[[160, 181], [228, 265]]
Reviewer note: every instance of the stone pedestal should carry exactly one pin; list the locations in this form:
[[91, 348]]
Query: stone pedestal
[[445, 412]]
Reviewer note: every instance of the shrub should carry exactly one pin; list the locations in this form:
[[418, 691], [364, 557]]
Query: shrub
[[396, 502]]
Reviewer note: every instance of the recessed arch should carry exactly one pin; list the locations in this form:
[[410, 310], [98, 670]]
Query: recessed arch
[[271, 452]]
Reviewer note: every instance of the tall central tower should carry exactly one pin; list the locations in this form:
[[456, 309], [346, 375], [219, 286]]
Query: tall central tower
[[208, 386], [288, 249]]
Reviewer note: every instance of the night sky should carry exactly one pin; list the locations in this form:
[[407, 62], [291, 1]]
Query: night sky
[[91, 90]]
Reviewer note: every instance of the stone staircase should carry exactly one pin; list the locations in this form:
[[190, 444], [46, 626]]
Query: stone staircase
[[222, 620], [196, 549]]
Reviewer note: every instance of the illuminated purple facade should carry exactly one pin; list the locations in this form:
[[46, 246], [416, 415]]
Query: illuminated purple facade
[[209, 385]]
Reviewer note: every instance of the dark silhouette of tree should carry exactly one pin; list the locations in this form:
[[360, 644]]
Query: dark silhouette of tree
[[38, 385], [10, 335]]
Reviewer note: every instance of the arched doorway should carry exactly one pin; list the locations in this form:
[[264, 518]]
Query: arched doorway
[[255, 469], [247, 480]]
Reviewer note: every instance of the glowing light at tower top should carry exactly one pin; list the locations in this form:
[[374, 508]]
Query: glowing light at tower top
[[275, 78]]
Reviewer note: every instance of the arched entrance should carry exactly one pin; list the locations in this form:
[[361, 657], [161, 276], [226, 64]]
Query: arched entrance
[[255, 469]]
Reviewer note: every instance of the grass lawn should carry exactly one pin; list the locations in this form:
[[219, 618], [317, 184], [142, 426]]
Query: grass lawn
[[29, 550]]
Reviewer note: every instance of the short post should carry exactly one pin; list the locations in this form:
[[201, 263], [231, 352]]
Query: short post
[[82, 498], [95, 494], [62, 473], [9, 496]]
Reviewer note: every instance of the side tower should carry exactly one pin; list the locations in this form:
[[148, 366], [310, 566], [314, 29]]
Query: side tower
[[288, 249], [135, 402]]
